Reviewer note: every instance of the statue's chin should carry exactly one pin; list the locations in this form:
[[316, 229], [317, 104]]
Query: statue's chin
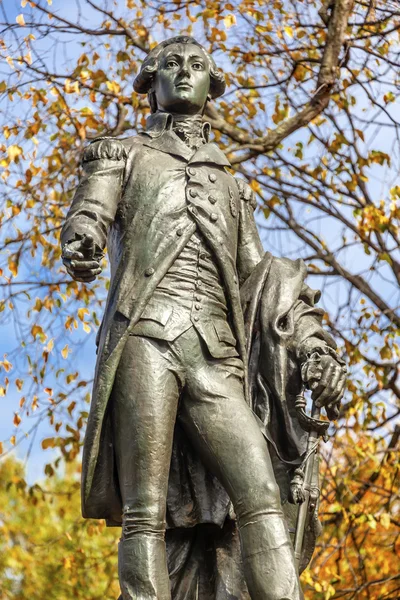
[[183, 104]]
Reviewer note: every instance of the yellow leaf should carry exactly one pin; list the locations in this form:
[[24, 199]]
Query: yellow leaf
[[37, 330], [13, 440], [229, 21], [24, 3], [86, 327], [82, 312], [385, 520], [17, 420], [71, 407], [113, 86], [14, 151], [48, 443], [20, 20], [289, 31], [65, 351], [1, 447]]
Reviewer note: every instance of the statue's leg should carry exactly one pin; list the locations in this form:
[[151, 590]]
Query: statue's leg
[[224, 430], [144, 405]]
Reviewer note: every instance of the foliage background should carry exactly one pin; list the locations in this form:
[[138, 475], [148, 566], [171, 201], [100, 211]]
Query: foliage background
[[311, 120]]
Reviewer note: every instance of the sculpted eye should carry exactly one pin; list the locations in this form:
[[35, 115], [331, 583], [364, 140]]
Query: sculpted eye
[[171, 64], [197, 66]]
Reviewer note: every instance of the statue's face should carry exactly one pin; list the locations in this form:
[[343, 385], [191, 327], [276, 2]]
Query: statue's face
[[182, 81]]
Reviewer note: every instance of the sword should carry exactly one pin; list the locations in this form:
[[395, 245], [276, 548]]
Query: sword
[[301, 486]]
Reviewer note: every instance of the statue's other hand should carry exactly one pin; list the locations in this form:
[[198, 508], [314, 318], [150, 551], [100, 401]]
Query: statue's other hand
[[326, 378], [81, 259]]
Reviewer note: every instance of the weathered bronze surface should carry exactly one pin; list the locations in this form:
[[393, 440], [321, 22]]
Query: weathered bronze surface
[[194, 443]]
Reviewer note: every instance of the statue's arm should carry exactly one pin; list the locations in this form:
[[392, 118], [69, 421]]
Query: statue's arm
[[250, 249], [84, 234]]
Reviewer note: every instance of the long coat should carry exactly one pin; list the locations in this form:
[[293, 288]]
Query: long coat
[[145, 196]]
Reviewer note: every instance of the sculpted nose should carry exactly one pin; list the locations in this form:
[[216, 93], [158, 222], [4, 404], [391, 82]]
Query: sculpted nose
[[185, 71]]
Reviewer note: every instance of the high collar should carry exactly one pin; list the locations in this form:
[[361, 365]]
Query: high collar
[[160, 135], [159, 122]]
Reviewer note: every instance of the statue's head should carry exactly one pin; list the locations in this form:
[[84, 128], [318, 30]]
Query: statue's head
[[179, 76]]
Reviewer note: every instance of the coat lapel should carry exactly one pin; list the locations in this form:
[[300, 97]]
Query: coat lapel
[[169, 143], [210, 153]]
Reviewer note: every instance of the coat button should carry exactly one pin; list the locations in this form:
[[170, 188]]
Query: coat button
[[191, 171], [212, 199], [193, 193], [214, 217], [195, 318], [179, 232], [149, 272], [212, 177], [197, 306]]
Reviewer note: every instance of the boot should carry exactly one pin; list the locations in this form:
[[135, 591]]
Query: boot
[[268, 560], [142, 568]]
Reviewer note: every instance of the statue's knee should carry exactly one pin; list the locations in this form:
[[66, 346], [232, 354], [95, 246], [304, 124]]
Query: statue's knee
[[149, 520], [260, 501]]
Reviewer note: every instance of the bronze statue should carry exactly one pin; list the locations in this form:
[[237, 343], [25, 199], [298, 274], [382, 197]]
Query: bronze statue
[[193, 442]]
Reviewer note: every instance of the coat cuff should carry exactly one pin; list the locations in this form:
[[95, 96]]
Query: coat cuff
[[315, 344]]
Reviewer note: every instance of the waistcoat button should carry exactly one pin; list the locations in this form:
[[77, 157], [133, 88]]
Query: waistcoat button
[[193, 193], [191, 171], [149, 272], [214, 217], [179, 232], [212, 177], [212, 199]]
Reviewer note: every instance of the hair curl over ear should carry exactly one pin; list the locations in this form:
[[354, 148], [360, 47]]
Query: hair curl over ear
[[144, 80]]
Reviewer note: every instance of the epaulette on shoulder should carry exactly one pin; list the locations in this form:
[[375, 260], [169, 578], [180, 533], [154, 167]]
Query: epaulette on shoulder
[[105, 148], [246, 193]]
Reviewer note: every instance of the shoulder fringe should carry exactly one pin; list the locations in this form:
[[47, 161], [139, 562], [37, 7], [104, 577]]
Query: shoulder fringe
[[104, 148], [246, 193]]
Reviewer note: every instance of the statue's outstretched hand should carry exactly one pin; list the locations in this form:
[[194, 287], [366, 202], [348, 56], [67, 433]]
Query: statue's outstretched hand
[[326, 378], [82, 258]]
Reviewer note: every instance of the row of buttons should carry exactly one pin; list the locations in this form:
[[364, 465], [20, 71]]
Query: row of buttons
[[194, 211], [194, 193], [192, 172]]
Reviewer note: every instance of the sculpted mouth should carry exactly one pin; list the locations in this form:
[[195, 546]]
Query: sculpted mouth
[[184, 85]]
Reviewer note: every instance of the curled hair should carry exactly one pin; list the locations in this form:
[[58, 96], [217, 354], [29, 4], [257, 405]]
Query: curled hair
[[144, 80]]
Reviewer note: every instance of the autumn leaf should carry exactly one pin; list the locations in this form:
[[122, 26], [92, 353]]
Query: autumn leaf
[[14, 152]]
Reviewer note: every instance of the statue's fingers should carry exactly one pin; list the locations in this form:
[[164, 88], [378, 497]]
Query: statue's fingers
[[84, 265], [84, 276], [333, 412], [69, 254], [338, 392], [330, 390], [323, 389], [87, 278]]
